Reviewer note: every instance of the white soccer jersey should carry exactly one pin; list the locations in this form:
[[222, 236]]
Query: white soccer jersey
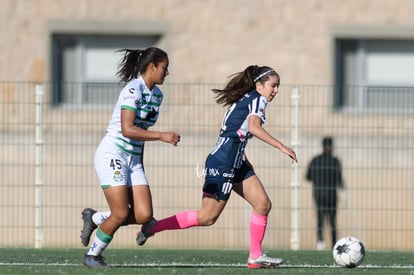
[[135, 96]]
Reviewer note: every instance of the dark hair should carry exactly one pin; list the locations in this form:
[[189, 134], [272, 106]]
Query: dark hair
[[242, 83], [327, 142], [135, 62]]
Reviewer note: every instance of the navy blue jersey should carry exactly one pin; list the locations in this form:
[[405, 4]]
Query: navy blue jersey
[[234, 132]]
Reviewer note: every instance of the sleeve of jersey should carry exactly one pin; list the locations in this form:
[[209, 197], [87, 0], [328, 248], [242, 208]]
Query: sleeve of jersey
[[258, 108], [130, 97]]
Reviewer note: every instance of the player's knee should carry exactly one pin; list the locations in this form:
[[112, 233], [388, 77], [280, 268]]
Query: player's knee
[[119, 217], [208, 222], [267, 206], [264, 207], [143, 218]]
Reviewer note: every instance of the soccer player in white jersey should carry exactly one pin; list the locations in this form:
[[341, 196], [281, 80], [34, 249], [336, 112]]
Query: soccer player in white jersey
[[119, 156], [227, 168]]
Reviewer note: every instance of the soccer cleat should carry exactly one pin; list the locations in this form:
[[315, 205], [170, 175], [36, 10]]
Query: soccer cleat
[[92, 261], [264, 262], [145, 232], [88, 225]]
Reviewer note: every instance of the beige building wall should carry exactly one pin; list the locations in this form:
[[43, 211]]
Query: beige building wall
[[207, 41]]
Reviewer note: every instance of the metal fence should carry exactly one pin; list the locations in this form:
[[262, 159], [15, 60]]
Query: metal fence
[[48, 176]]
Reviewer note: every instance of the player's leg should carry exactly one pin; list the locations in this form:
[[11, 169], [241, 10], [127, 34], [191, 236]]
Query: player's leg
[[210, 210], [91, 219], [141, 203], [111, 167], [252, 190], [207, 215], [95, 218], [118, 202], [216, 191], [117, 198], [141, 199]]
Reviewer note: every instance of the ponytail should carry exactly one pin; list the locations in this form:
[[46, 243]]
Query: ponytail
[[242, 83], [135, 62]]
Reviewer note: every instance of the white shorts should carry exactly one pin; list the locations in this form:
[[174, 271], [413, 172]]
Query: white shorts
[[116, 168]]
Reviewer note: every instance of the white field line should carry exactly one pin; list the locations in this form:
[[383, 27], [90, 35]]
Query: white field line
[[178, 265]]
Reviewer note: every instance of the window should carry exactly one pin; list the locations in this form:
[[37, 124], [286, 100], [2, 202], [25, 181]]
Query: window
[[373, 74], [84, 66]]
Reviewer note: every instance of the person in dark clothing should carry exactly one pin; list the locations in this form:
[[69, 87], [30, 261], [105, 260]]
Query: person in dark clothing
[[325, 173]]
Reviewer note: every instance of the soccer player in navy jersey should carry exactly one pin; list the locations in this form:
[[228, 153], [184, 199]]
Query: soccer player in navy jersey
[[227, 168]]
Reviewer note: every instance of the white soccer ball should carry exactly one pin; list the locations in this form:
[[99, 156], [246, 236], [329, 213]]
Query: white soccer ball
[[349, 252]]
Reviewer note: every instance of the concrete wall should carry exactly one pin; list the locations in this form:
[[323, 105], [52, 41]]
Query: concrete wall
[[207, 40]]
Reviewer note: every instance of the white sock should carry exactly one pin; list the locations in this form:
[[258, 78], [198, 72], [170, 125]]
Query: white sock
[[100, 242], [97, 247], [100, 217]]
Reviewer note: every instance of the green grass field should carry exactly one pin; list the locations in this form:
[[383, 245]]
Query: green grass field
[[164, 261]]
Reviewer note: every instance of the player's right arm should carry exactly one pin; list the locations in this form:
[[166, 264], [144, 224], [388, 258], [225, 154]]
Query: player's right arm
[[256, 129], [129, 130]]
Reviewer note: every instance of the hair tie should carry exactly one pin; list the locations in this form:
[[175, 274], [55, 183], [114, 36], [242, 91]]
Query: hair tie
[[262, 75]]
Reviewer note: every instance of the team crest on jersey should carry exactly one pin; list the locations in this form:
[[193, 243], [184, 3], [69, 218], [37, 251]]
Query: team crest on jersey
[[118, 177], [151, 114]]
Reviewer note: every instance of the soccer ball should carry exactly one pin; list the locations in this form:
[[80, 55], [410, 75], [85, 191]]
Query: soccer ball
[[349, 252]]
